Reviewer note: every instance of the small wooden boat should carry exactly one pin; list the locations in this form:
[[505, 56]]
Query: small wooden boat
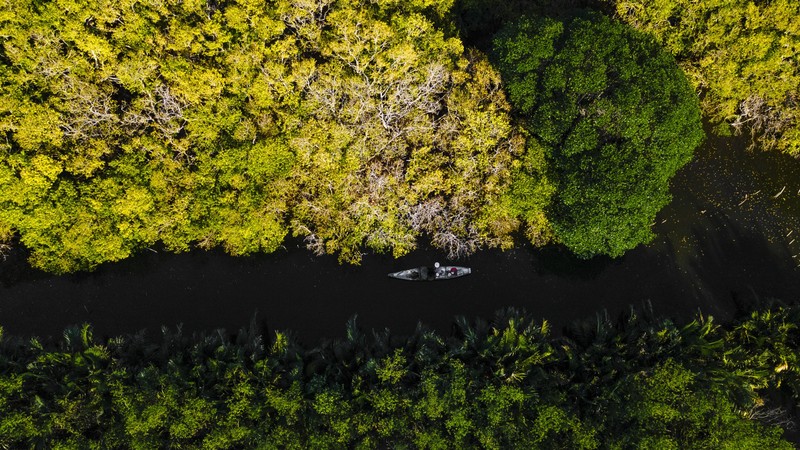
[[438, 272]]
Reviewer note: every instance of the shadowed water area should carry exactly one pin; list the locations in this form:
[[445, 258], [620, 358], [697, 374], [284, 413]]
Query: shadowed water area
[[724, 242]]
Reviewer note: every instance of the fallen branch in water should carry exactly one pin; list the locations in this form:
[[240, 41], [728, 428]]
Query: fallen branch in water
[[742, 202]]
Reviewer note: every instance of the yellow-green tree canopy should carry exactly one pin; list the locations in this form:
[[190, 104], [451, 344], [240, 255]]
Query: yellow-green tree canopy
[[350, 123], [741, 55]]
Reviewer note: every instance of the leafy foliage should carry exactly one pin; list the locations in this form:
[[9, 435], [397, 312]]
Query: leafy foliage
[[233, 123], [637, 383], [616, 119], [742, 55]]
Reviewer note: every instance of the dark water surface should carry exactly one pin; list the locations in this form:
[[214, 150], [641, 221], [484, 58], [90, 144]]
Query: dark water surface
[[722, 244]]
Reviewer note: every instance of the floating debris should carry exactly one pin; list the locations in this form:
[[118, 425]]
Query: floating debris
[[742, 202], [779, 193], [790, 233]]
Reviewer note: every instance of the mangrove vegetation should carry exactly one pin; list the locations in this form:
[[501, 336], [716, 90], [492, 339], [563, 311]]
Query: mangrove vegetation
[[742, 56], [373, 125], [353, 124], [615, 118], [639, 382]]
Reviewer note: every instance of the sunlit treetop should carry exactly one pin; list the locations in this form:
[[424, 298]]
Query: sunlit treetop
[[743, 56], [352, 124]]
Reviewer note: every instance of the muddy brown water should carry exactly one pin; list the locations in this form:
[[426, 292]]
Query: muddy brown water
[[725, 242]]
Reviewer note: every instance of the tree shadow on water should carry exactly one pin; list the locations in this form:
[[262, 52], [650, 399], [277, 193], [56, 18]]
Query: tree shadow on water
[[477, 21], [14, 267], [558, 260], [732, 263]]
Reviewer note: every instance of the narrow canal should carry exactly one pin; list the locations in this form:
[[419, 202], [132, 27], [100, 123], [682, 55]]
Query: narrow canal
[[731, 237]]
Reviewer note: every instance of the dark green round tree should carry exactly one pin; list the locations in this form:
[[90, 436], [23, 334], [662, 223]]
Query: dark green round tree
[[616, 117]]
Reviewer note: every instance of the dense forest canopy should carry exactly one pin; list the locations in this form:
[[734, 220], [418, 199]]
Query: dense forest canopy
[[350, 123], [743, 56], [615, 117], [367, 124], [636, 383]]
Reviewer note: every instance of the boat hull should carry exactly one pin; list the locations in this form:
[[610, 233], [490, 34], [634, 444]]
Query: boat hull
[[440, 273]]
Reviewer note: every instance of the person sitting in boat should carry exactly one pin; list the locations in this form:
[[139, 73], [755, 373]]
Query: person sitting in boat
[[438, 270]]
